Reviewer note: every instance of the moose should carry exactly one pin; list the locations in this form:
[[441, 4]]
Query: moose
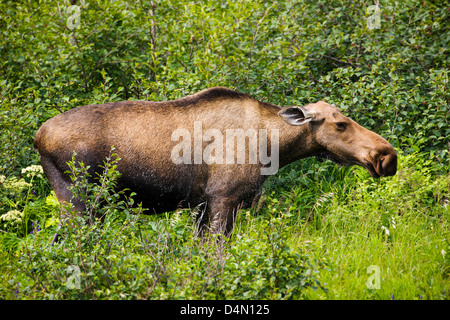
[[173, 153]]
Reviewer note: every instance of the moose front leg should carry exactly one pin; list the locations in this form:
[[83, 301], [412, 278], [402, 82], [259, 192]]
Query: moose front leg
[[225, 196], [218, 216]]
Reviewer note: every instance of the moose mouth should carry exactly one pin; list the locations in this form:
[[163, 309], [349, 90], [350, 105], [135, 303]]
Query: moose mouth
[[324, 155], [369, 166]]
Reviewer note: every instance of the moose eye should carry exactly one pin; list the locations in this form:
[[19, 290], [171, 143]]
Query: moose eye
[[341, 126]]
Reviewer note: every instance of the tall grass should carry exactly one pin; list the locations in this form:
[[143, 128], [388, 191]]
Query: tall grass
[[398, 224]]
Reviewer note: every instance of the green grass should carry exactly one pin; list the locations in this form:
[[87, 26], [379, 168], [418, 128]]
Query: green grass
[[410, 259], [347, 233]]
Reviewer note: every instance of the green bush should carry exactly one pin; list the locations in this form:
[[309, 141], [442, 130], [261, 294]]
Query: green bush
[[86, 243], [112, 252]]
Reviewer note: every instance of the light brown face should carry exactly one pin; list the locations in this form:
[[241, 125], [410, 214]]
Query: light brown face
[[342, 140]]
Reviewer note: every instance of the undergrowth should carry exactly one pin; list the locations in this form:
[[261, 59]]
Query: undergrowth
[[318, 229]]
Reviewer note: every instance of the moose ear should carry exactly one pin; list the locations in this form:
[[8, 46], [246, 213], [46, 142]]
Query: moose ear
[[295, 116]]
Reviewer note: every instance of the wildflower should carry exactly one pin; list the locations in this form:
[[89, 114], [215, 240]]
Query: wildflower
[[33, 170], [18, 289], [34, 227], [386, 230], [13, 216], [16, 185]]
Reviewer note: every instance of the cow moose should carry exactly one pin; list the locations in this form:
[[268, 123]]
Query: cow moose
[[182, 153]]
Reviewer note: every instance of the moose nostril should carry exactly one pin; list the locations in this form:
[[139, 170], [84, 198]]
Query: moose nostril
[[380, 166], [388, 165]]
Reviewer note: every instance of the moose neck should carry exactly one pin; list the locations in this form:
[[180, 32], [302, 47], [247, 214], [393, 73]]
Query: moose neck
[[295, 142]]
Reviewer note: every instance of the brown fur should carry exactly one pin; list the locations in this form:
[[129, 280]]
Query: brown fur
[[141, 133]]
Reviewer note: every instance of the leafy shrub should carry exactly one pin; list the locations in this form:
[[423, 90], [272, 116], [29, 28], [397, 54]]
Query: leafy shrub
[[112, 252], [275, 270], [87, 242]]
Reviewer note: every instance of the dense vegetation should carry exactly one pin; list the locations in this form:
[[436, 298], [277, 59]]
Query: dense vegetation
[[319, 228]]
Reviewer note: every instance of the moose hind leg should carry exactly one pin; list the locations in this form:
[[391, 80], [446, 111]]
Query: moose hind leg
[[60, 184]]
